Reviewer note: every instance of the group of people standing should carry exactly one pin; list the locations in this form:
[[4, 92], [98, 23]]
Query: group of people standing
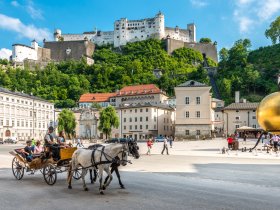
[[165, 144]]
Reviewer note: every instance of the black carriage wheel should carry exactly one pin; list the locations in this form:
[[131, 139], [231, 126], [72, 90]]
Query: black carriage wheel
[[18, 170], [50, 174], [77, 174]]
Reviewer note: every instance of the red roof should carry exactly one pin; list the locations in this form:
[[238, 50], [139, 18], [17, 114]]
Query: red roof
[[96, 97], [139, 89]]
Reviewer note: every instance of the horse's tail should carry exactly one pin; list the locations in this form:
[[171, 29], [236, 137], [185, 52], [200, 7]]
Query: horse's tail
[[72, 166]]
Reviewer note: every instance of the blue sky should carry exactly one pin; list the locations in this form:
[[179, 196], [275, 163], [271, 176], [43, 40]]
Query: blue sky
[[224, 21]]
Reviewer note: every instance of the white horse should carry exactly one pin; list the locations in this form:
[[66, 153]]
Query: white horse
[[101, 158]]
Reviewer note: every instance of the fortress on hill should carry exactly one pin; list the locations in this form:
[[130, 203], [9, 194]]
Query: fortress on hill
[[131, 31], [126, 31]]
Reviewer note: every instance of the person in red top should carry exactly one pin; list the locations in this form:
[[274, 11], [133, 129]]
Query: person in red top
[[149, 145], [230, 141]]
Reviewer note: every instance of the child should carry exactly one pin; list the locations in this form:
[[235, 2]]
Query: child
[[28, 151]]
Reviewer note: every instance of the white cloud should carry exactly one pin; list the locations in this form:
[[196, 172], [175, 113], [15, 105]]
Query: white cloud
[[15, 3], [30, 8], [198, 3], [251, 13], [28, 31], [268, 8], [5, 53]]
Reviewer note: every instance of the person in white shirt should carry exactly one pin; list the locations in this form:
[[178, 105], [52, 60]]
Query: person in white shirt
[[165, 147]]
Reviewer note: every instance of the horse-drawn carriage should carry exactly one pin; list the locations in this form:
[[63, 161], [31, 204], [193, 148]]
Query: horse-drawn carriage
[[44, 163]]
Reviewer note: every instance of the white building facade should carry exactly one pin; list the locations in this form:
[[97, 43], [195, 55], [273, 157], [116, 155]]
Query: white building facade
[[24, 116], [126, 31], [194, 114], [142, 121]]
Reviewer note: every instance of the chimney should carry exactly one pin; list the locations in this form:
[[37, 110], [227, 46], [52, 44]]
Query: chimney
[[237, 95]]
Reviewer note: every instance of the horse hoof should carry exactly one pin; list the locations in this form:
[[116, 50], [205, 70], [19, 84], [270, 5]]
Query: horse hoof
[[101, 193], [103, 188], [69, 187], [122, 187], [86, 189]]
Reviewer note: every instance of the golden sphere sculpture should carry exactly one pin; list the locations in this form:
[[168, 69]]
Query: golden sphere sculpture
[[268, 113]]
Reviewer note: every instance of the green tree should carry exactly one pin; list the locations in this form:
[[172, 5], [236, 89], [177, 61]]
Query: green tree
[[108, 119], [67, 122], [274, 31], [205, 40]]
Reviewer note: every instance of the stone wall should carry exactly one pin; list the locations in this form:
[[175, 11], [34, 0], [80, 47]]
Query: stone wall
[[209, 49], [66, 50]]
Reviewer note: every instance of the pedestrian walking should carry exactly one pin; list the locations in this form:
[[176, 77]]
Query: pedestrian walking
[[149, 145], [165, 147], [171, 141], [79, 143]]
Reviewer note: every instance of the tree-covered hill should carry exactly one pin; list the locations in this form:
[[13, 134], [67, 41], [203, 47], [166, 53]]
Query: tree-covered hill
[[63, 83], [254, 73]]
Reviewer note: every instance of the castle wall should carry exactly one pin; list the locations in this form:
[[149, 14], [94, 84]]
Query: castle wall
[[209, 49], [66, 50], [43, 54], [21, 52]]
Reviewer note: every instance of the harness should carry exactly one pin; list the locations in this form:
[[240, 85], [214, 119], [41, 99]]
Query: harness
[[106, 156]]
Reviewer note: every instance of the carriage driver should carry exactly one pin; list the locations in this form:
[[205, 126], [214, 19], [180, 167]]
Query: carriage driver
[[49, 143]]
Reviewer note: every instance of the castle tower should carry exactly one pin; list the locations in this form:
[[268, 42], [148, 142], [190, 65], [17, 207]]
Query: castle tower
[[192, 32], [120, 32], [159, 22], [34, 44], [57, 34]]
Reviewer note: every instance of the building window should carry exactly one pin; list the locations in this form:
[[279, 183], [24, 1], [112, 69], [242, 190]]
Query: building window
[[13, 123], [124, 119], [197, 113], [187, 114], [135, 110], [141, 110], [124, 127], [147, 118], [135, 127], [141, 127], [187, 132], [17, 123], [155, 118], [140, 119], [254, 126], [236, 126], [26, 124], [187, 100], [237, 118], [1, 122], [7, 99], [147, 127], [7, 122], [30, 113], [197, 100], [253, 117], [30, 124], [197, 132], [135, 119], [147, 110], [130, 127], [164, 127], [130, 119]]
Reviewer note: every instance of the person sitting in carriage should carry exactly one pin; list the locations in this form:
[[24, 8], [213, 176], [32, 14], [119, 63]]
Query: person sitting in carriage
[[27, 151], [51, 145]]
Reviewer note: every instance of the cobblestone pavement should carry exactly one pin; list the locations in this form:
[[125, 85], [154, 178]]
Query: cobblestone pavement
[[194, 176]]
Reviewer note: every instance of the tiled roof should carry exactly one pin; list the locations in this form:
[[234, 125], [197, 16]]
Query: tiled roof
[[139, 90], [4, 90], [192, 83], [96, 97], [242, 106]]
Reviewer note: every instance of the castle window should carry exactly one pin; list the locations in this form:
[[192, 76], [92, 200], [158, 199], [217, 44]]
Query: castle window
[[118, 37]]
